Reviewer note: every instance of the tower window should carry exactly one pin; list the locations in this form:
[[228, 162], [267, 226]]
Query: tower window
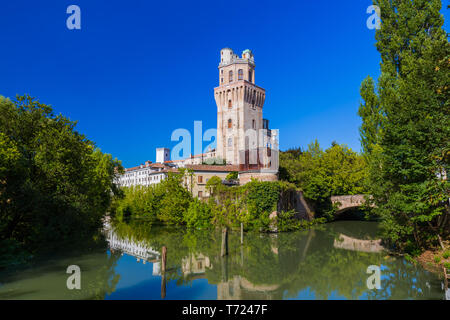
[[250, 76], [240, 74], [230, 105], [230, 123], [230, 74], [230, 142], [221, 80], [254, 124]]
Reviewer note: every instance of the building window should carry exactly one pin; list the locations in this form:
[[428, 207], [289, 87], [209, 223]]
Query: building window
[[221, 80], [230, 123], [250, 76], [240, 74], [200, 194], [200, 179], [230, 105], [230, 74], [230, 142], [254, 124]]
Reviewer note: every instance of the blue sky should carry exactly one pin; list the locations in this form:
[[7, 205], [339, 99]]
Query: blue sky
[[139, 69]]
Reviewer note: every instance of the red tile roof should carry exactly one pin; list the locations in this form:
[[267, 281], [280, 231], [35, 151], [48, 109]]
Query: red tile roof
[[157, 165], [132, 168]]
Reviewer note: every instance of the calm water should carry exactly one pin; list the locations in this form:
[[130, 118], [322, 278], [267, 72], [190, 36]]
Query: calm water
[[327, 262]]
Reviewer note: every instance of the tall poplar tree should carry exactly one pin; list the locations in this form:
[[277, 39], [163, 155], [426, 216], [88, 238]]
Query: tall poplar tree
[[407, 123]]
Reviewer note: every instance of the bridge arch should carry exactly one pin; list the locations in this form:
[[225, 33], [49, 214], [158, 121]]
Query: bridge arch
[[348, 201]]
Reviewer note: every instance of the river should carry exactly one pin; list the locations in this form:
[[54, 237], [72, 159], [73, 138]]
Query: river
[[330, 261]]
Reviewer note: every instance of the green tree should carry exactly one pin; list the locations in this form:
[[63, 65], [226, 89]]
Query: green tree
[[407, 123], [175, 199], [55, 185], [232, 175], [321, 174], [372, 116], [214, 185]]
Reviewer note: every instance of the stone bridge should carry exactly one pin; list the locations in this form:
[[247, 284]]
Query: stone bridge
[[348, 202]]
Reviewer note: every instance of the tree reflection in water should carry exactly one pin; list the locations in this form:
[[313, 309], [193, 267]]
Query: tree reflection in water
[[47, 278], [298, 265]]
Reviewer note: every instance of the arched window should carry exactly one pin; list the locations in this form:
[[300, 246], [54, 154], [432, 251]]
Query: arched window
[[230, 105], [230, 75], [230, 142], [230, 123], [240, 74]]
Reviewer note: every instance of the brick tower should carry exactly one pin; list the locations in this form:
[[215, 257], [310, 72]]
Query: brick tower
[[239, 105]]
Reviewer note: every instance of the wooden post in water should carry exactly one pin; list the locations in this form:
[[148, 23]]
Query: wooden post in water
[[242, 233], [224, 250], [163, 259], [163, 272]]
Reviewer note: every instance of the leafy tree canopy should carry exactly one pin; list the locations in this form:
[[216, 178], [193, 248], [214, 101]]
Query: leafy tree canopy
[[55, 185]]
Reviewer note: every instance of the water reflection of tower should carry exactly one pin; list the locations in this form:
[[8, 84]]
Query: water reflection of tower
[[194, 267]]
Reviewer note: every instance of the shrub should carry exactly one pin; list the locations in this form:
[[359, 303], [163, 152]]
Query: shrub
[[198, 215]]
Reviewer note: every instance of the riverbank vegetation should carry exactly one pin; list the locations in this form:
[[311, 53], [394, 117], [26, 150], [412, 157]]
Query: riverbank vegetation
[[435, 259], [169, 202], [55, 185], [406, 128]]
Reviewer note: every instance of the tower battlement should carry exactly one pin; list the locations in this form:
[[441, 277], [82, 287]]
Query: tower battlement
[[233, 68], [227, 56]]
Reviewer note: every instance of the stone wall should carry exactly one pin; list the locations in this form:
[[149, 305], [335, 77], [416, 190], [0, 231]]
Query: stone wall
[[293, 199]]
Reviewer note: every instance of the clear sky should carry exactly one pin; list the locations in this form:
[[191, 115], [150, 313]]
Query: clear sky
[[139, 69]]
